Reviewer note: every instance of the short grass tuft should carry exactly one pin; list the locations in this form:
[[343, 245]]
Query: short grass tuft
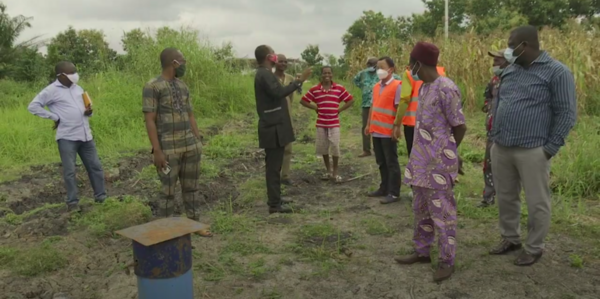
[[104, 219]]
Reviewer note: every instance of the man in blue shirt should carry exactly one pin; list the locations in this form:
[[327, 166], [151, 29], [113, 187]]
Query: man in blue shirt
[[535, 111], [64, 99]]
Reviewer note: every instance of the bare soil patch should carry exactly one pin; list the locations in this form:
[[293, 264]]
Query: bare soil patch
[[338, 244]]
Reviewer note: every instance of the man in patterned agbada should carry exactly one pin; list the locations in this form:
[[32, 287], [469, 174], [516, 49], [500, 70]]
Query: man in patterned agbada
[[434, 163], [174, 136]]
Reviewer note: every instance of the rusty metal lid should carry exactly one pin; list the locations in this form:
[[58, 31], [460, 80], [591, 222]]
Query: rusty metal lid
[[161, 230]]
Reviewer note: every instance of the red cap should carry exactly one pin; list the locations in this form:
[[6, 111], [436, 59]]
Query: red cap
[[426, 53]]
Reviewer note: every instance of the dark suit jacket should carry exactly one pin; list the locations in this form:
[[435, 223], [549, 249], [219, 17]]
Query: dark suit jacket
[[274, 124]]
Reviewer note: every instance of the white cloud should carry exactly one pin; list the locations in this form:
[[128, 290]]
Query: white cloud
[[287, 25]]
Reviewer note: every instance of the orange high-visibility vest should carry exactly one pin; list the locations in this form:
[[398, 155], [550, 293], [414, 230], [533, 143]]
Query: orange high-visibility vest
[[410, 116], [384, 111]]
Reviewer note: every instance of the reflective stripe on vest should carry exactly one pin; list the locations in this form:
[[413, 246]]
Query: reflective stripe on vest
[[383, 110], [410, 116]]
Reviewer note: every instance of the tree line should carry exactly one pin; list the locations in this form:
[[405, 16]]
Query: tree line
[[477, 16]]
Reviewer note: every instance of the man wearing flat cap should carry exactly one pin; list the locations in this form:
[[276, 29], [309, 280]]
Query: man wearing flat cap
[[491, 94], [434, 163]]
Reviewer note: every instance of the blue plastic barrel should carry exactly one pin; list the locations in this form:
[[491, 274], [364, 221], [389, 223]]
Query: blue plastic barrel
[[164, 270]]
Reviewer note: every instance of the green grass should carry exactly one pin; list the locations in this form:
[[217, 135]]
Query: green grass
[[377, 227], [34, 261], [118, 126], [104, 219], [15, 219]]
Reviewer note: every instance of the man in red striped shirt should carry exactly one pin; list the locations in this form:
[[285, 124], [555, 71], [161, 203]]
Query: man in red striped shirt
[[325, 98]]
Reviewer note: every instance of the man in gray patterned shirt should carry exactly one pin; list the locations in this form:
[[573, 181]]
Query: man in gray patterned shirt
[[535, 111]]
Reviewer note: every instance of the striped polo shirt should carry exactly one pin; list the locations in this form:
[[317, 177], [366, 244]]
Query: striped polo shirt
[[536, 106], [328, 103]]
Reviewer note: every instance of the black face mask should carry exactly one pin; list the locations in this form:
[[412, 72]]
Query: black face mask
[[180, 71]]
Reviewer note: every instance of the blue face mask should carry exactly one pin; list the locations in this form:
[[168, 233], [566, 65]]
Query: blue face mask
[[415, 74], [509, 54], [371, 69]]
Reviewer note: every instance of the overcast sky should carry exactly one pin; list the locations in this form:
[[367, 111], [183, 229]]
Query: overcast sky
[[287, 25]]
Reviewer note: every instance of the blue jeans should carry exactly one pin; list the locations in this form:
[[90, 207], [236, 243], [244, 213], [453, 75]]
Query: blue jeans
[[89, 156]]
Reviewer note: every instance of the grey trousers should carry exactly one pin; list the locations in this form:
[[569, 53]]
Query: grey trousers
[[529, 168], [87, 152]]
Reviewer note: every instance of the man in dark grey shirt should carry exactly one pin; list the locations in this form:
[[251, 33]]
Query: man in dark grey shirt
[[274, 123], [535, 111]]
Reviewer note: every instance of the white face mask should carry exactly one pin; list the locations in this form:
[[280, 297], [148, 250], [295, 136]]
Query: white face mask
[[74, 78], [382, 74], [508, 54]]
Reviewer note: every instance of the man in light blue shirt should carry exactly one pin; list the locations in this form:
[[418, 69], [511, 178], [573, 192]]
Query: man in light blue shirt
[[64, 99]]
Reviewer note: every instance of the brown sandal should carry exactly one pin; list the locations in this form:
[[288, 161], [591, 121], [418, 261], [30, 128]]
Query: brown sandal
[[204, 233]]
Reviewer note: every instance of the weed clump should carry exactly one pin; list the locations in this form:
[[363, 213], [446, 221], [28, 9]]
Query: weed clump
[[32, 261], [113, 215]]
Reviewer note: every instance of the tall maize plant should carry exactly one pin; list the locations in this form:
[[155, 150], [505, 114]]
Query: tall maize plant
[[466, 61]]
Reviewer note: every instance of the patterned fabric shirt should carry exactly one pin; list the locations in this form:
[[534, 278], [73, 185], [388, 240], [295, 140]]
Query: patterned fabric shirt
[[433, 162], [366, 80], [491, 94], [328, 103], [171, 101], [536, 106]]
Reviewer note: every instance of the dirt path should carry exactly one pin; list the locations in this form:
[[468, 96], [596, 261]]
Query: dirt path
[[338, 244]]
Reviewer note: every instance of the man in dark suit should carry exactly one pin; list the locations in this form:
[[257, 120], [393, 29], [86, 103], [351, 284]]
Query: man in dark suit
[[274, 125]]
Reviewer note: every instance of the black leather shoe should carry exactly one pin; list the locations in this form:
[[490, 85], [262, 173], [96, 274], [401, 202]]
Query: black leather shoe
[[281, 210], [377, 193], [526, 259], [389, 199], [505, 247]]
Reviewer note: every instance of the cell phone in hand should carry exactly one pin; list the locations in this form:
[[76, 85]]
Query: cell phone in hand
[[166, 170]]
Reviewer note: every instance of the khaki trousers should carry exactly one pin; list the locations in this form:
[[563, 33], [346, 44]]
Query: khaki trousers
[[287, 154], [527, 167]]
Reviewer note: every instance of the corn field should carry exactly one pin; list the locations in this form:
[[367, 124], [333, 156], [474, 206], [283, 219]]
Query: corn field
[[466, 61]]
